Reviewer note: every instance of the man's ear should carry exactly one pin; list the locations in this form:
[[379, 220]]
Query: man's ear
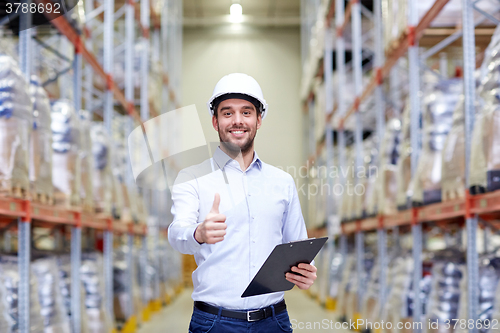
[[259, 119], [215, 123]]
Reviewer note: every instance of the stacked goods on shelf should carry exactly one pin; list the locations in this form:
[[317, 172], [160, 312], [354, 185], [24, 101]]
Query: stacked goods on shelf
[[87, 162], [123, 305], [403, 173], [387, 171], [336, 269], [92, 276], [348, 296], [155, 87], [345, 286], [126, 193], [371, 309], [453, 157], [66, 166], [438, 106], [485, 159], [444, 299], [9, 292], [16, 118], [489, 299], [53, 311], [40, 148], [369, 197], [395, 309], [102, 177], [64, 268], [163, 271], [348, 200]]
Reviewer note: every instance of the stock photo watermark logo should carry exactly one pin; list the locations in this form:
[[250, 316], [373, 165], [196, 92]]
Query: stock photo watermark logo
[[21, 15], [164, 145], [174, 141]]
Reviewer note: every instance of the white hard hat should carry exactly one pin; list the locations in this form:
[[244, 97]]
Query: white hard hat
[[239, 84]]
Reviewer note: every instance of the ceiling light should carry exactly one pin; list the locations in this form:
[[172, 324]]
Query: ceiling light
[[236, 13]]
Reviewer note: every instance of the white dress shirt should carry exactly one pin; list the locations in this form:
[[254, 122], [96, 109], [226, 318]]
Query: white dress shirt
[[262, 210]]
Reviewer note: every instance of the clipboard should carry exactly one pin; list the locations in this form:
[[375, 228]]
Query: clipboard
[[271, 276]]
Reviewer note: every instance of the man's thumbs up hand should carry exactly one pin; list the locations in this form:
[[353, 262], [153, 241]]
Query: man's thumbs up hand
[[213, 228]]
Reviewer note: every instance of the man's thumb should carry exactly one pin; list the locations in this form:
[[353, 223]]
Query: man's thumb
[[215, 206]]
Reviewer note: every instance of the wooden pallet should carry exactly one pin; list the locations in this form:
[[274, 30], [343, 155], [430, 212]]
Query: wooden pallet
[[42, 198], [15, 192]]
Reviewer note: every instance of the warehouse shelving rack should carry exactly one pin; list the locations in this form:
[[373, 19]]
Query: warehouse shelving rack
[[486, 206], [167, 26]]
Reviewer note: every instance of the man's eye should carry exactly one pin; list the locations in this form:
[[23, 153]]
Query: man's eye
[[227, 113]]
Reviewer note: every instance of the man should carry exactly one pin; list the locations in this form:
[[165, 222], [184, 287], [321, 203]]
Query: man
[[233, 217]]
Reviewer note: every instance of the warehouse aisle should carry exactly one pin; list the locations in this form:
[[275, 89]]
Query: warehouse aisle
[[304, 312]]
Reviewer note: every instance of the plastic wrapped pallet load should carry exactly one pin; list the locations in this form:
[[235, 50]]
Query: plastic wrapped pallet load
[[403, 167], [66, 165], [87, 162], [53, 311], [64, 268], [102, 177], [16, 118], [438, 107], [123, 304], [368, 194], [92, 275], [40, 171], [485, 153], [489, 299], [444, 299], [9, 292], [387, 185]]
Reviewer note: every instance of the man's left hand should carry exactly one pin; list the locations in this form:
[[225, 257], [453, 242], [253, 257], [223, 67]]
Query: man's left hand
[[303, 282]]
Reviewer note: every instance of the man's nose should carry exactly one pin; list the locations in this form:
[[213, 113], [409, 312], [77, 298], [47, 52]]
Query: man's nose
[[238, 118]]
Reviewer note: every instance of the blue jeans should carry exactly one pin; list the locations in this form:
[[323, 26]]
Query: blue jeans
[[202, 322]]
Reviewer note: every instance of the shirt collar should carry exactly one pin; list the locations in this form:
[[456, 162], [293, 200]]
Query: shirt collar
[[221, 159]]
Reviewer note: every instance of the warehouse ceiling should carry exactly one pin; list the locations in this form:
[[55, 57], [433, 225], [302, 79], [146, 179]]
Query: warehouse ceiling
[[255, 12]]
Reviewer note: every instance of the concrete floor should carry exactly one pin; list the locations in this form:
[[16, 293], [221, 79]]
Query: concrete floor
[[304, 312]]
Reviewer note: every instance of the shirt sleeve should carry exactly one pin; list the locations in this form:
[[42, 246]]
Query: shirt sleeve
[[185, 209], [294, 227]]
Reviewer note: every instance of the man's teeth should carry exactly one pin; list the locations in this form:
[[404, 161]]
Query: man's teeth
[[237, 132]]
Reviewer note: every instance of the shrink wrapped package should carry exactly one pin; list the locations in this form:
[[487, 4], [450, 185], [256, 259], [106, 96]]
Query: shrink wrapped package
[[16, 119], [40, 148], [485, 152], [87, 162], [372, 308], [102, 177], [66, 164], [489, 300], [396, 307], [64, 268], [9, 291], [348, 197], [351, 301], [437, 114], [337, 264], [444, 299], [403, 173], [53, 311], [92, 275], [387, 182], [453, 156], [370, 174], [124, 306], [345, 285]]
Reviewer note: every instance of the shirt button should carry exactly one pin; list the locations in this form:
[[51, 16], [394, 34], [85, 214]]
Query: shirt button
[[249, 195], [253, 241]]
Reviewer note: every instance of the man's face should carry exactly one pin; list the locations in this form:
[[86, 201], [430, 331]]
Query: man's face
[[237, 124]]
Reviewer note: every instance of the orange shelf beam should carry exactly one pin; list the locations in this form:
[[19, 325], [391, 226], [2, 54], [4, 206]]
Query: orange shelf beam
[[483, 204]]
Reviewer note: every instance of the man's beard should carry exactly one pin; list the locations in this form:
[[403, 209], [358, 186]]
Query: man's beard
[[235, 149]]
